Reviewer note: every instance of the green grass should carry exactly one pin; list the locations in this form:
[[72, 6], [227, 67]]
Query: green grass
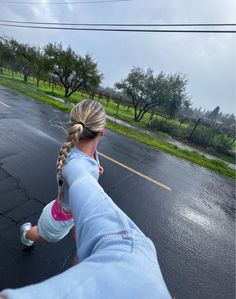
[[58, 91], [31, 92], [29, 89], [216, 165], [234, 147]]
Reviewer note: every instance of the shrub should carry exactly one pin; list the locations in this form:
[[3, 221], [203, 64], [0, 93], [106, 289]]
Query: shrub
[[170, 127], [212, 137]]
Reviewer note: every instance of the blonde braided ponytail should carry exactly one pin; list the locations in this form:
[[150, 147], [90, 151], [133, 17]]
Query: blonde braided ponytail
[[88, 118], [72, 139]]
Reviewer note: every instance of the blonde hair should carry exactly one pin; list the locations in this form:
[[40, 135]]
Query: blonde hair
[[87, 119]]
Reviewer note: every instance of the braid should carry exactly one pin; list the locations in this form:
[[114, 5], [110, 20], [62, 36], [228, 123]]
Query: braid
[[73, 137]]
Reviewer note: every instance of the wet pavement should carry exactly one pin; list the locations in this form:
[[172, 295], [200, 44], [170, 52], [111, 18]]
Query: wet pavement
[[192, 226]]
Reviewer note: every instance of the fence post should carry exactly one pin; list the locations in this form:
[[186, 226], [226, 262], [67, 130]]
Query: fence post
[[195, 127]]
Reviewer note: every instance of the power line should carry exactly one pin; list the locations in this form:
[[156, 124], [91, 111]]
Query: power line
[[122, 25], [118, 29], [65, 3]]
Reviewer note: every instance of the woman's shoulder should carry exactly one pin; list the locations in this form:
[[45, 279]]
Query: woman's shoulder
[[78, 164], [74, 157], [72, 169], [73, 153]]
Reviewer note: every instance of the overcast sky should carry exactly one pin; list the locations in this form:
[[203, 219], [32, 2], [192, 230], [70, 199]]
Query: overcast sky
[[207, 60]]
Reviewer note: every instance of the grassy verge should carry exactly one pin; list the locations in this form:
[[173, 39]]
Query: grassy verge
[[195, 157], [234, 146], [32, 92], [216, 165]]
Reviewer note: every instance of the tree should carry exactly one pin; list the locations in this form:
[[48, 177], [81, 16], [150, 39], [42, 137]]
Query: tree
[[23, 56], [5, 54], [10, 59], [94, 84], [73, 71], [108, 93], [177, 98], [148, 90], [185, 111], [229, 120], [214, 113], [120, 99], [41, 67]]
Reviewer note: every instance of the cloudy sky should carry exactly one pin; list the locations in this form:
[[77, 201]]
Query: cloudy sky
[[207, 60]]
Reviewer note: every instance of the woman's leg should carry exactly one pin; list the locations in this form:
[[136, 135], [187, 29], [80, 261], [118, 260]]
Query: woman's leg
[[33, 235], [72, 232]]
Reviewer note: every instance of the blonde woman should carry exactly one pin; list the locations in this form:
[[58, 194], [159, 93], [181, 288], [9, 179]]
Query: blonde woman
[[116, 259], [56, 221]]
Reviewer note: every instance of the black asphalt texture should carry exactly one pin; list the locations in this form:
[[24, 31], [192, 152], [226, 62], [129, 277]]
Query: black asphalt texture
[[192, 226]]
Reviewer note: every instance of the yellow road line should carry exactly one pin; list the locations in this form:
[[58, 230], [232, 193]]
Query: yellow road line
[[136, 172], [4, 104]]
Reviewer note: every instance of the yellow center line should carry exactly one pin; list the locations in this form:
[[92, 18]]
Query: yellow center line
[[4, 104], [136, 172]]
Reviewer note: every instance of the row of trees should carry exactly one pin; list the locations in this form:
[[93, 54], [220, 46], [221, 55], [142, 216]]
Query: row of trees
[[52, 63], [145, 91], [226, 119]]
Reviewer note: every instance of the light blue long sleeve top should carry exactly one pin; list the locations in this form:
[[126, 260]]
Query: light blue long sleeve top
[[116, 259]]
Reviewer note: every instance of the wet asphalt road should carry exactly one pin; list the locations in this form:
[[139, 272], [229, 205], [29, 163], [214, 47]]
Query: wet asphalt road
[[192, 226]]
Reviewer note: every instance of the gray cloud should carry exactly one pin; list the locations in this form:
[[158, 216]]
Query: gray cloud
[[207, 60]]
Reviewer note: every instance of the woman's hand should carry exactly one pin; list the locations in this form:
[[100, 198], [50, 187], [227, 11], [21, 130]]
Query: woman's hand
[[101, 170]]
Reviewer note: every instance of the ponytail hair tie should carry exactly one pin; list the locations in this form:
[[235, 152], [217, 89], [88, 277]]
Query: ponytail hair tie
[[80, 122]]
